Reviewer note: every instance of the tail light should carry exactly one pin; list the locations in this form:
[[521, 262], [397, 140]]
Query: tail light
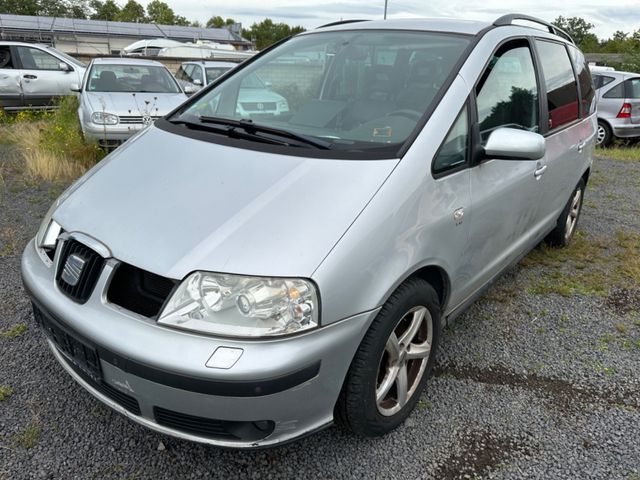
[[625, 111]]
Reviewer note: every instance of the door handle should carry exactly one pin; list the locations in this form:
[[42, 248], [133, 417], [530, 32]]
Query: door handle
[[539, 171], [581, 146], [29, 76], [458, 215]]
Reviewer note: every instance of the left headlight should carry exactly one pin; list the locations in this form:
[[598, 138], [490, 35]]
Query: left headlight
[[103, 118], [240, 306]]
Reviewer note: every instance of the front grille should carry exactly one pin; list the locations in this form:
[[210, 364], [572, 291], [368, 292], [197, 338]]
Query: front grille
[[258, 106], [88, 275], [134, 119], [211, 428], [140, 291], [122, 399]]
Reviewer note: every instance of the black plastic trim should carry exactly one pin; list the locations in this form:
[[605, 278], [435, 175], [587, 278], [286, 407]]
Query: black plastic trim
[[239, 388]]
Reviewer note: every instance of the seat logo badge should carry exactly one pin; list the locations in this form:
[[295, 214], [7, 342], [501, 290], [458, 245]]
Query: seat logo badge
[[73, 269]]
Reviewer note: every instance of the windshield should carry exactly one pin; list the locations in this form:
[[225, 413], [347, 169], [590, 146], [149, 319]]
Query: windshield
[[354, 89], [215, 72], [131, 78]]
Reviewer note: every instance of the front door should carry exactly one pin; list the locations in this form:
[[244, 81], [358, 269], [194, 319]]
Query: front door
[[505, 194], [41, 76]]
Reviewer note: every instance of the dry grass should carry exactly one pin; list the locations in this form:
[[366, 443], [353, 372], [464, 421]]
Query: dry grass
[[622, 154], [40, 162]]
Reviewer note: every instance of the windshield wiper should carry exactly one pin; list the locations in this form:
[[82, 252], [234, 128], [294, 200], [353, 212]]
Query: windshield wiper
[[228, 131], [253, 129]]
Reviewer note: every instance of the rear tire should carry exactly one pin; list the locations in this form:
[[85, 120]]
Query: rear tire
[[393, 362], [604, 136], [568, 221]]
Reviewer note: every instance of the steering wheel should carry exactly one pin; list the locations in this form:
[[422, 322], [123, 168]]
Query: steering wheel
[[406, 113]]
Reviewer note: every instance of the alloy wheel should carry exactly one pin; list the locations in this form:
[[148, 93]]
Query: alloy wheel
[[404, 360], [601, 134], [574, 211]]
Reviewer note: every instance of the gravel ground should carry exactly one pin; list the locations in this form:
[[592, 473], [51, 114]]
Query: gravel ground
[[527, 385]]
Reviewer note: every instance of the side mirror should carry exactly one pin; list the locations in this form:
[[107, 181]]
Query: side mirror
[[197, 82], [514, 144], [268, 84], [190, 89], [75, 88], [64, 67]]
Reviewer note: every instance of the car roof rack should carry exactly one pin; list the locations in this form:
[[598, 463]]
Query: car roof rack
[[342, 22], [508, 20]]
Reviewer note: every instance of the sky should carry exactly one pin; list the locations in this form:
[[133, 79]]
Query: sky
[[607, 15]]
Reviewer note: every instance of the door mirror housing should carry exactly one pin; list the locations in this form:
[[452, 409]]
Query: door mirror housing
[[190, 89], [514, 144], [197, 82], [75, 88], [65, 67]]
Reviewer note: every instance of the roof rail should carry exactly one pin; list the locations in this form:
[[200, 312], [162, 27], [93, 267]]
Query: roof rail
[[342, 22], [508, 20]]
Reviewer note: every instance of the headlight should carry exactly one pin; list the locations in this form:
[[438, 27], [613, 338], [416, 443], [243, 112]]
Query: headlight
[[240, 306], [48, 235], [102, 118]]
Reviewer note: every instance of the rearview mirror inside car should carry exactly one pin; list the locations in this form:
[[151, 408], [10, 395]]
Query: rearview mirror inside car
[[514, 144]]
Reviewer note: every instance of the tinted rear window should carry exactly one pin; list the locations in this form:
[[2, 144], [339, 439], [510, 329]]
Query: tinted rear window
[[560, 83], [587, 92]]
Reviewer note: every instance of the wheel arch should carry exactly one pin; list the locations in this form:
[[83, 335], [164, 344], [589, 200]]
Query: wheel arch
[[437, 277]]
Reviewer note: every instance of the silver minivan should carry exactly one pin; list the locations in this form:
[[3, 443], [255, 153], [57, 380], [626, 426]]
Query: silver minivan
[[32, 76], [244, 280], [618, 99]]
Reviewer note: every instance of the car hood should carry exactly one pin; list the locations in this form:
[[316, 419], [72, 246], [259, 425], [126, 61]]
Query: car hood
[[120, 103], [171, 205]]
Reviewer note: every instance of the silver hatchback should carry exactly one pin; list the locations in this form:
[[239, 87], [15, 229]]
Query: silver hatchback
[[618, 98], [244, 279]]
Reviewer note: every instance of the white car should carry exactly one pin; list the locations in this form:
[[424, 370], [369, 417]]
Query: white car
[[255, 98], [32, 76], [120, 97]]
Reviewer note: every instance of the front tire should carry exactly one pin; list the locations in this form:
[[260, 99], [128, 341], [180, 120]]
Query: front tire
[[568, 221], [393, 362]]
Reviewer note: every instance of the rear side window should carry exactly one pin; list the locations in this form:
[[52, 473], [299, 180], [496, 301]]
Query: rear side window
[[602, 80], [615, 92], [587, 92], [633, 88], [507, 94], [560, 83]]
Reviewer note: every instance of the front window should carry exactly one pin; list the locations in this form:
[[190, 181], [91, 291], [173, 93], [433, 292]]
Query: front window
[[351, 90], [131, 78]]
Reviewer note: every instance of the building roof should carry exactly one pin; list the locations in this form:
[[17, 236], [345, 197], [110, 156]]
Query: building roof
[[61, 25]]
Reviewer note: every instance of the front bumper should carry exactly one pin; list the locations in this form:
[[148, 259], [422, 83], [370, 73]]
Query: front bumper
[[110, 133], [291, 383]]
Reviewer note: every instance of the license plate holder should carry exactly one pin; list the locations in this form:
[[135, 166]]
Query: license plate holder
[[84, 357]]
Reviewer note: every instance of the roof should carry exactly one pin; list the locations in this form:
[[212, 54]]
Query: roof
[[213, 63], [126, 29], [125, 61], [468, 27]]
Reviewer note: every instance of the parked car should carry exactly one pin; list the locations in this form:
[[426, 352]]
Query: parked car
[[120, 97], [618, 96], [32, 76], [255, 96], [244, 282]]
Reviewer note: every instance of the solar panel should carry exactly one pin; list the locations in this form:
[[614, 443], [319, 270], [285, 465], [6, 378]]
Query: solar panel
[[102, 27]]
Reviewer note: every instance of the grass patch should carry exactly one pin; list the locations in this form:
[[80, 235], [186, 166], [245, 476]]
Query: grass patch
[[5, 392], [623, 154], [14, 331], [8, 241], [588, 266], [51, 144], [28, 438]]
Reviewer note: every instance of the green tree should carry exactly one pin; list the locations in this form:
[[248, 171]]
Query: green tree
[[104, 10], [20, 7], [132, 11], [78, 9], [579, 29], [160, 12], [266, 32], [219, 22]]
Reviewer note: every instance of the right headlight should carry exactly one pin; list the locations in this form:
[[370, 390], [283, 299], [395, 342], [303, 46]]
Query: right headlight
[[103, 118], [241, 306]]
